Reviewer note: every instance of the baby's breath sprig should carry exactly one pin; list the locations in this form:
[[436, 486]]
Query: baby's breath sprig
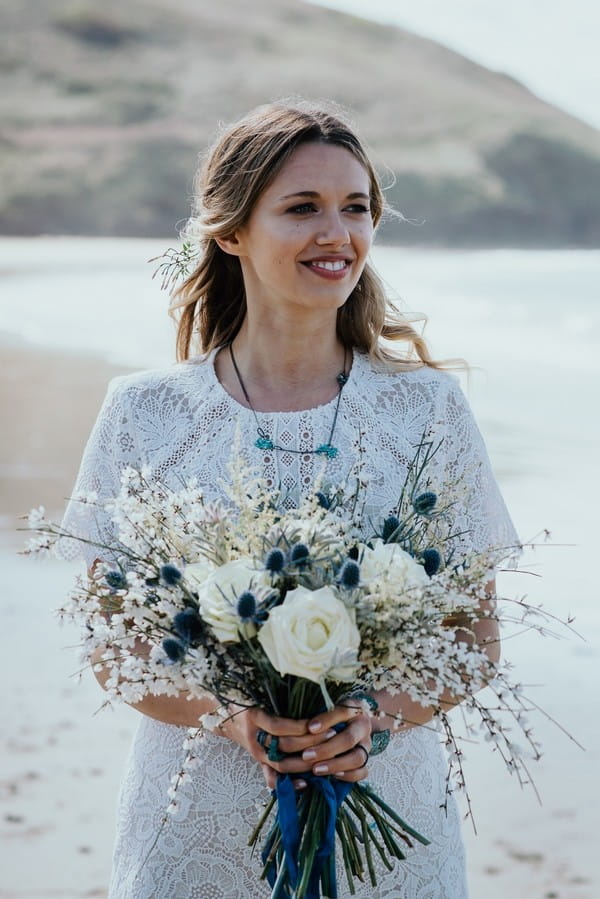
[[176, 264], [205, 597]]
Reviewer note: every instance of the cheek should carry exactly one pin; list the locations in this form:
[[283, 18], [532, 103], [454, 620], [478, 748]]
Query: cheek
[[366, 237]]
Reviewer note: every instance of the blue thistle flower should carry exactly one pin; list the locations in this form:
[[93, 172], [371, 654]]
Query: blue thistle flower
[[424, 503], [431, 561], [246, 606], [354, 553], [170, 575], [188, 626], [323, 499], [349, 574], [174, 649], [390, 526], [115, 580], [275, 560], [299, 554]]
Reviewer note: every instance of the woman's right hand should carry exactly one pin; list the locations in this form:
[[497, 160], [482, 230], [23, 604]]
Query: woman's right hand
[[294, 737]]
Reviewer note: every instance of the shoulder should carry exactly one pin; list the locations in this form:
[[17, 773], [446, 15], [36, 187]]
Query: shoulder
[[177, 379], [430, 385]]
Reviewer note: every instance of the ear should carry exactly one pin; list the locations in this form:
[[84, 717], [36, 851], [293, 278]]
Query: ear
[[231, 245]]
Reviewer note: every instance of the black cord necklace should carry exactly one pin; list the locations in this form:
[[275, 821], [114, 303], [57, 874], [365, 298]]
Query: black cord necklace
[[264, 442]]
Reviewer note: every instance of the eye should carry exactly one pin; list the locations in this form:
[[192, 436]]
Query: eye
[[358, 207], [302, 208]]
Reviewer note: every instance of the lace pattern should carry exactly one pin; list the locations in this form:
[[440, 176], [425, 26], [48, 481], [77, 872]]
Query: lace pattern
[[181, 423], [201, 852]]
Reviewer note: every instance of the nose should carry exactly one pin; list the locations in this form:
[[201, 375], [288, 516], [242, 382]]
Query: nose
[[333, 230]]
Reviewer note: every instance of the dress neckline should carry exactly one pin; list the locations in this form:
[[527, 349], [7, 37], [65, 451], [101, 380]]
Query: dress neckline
[[221, 391]]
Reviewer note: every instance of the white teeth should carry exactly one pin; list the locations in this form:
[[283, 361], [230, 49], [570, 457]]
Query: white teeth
[[330, 266]]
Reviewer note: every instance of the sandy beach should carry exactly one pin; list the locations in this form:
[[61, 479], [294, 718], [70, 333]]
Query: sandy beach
[[61, 762]]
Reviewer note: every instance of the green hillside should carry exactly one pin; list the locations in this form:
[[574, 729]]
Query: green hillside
[[104, 107]]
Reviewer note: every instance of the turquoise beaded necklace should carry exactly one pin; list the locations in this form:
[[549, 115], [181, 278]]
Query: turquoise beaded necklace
[[264, 442]]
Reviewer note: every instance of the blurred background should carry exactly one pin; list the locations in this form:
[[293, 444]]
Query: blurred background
[[482, 118]]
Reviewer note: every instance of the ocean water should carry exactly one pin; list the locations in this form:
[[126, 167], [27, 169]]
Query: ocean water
[[528, 323]]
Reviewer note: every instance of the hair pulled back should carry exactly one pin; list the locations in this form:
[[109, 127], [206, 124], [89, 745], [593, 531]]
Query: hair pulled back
[[211, 301]]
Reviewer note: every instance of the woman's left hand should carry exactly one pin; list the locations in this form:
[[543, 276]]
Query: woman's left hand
[[346, 755]]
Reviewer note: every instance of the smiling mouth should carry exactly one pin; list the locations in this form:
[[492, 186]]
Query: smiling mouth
[[339, 265]]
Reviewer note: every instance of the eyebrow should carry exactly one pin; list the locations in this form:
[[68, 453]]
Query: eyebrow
[[357, 195]]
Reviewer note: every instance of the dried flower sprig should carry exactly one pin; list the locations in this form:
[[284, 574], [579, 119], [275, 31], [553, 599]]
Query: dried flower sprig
[[201, 597]]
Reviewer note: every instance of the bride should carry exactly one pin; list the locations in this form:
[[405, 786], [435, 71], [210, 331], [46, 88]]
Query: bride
[[286, 340]]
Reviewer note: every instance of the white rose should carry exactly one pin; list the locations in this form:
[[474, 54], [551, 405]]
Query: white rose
[[390, 563], [313, 635], [198, 572], [218, 593]]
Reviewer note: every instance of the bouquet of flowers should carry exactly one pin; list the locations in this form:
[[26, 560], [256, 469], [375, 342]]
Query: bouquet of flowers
[[295, 610]]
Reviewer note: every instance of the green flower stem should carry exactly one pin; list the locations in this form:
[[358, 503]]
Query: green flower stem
[[369, 837], [385, 830], [367, 844], [371, 840], [253, 838], [393, 828], [346, 856], [395, 817], [328, 875], [349, 840], [310, 836], [280, 888], [271, 856], [390, 844]]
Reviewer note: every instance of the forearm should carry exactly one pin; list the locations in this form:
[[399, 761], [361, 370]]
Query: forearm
[[404, 711], [178, 710]]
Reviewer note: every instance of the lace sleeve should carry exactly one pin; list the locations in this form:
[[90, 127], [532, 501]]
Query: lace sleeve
[[481, 516], [111, 447]]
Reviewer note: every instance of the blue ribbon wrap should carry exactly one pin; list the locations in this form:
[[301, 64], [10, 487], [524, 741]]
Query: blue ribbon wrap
[[334, 792]]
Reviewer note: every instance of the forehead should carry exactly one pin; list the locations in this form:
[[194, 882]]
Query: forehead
[[320, 167]]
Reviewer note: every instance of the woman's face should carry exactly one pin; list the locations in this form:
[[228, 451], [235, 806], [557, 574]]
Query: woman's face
[[309, 234]]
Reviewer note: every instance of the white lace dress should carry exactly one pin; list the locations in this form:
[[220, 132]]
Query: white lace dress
[[182, 423]]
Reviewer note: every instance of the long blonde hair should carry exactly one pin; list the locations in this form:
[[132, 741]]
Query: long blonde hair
[[211, 301]]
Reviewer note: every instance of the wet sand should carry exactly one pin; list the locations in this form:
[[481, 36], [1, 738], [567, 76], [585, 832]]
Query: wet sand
[[61, 763], [48, 403]]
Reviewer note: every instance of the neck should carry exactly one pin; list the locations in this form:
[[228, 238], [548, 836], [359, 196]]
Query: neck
[[283, 371], [288, 357]]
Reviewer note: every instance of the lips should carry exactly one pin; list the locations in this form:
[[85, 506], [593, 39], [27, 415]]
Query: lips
[[328, 265]]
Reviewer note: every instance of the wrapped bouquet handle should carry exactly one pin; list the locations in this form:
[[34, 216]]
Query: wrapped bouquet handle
[[332, 794]]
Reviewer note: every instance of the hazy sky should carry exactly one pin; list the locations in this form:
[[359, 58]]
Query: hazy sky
[[552, 46]]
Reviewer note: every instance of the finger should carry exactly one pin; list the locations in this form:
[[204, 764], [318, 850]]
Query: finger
[[298, 744], [291, 764], [279, 726], [345, 764], [337, 715], [358, 731], [270, 776], [354, 776]]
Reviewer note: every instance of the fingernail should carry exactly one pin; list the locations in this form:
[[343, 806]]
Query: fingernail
[[315, 727], [329, 734], [300, 784], [320, 769], [308, 754]]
